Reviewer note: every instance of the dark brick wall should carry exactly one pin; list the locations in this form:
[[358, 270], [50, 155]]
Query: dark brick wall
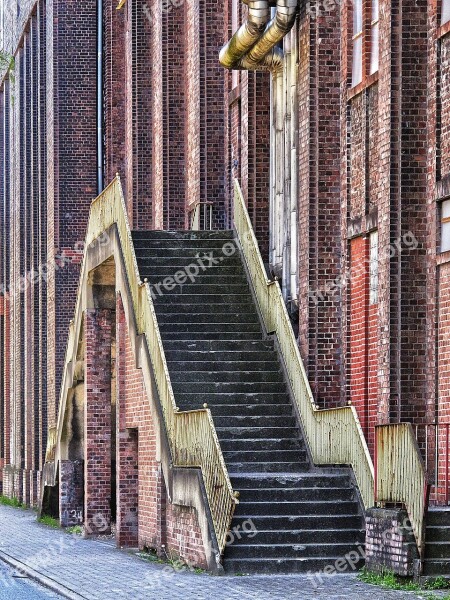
[[390, 543], [97, 419]]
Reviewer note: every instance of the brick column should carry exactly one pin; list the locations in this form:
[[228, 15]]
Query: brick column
[[127, 487], [127, 449], [71, 492], [97, 421]]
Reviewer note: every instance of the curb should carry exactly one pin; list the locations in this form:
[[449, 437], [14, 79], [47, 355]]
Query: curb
[[43, 580]]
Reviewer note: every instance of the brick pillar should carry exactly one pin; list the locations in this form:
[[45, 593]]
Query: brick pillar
[[127, 449], [71, 490], [97, 421], [127, 487]]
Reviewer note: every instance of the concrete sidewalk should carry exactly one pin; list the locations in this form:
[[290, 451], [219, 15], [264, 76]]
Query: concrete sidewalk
[[86, 569]]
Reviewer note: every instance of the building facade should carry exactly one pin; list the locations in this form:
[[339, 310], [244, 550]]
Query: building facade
[[342, 152]]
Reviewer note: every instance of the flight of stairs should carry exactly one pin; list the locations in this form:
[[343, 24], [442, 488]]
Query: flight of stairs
[[437, 543], [291, 516]]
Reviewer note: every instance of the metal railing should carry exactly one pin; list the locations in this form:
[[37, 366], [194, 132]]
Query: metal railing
[[192, 436], [334, 435], [400, 474], [434, 442]]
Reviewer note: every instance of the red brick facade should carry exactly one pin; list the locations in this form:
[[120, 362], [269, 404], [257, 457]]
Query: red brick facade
[[373, 158]]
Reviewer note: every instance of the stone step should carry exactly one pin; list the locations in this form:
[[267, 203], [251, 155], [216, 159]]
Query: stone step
[[437, 533], [437, 550], [214, 357], [262, 444], [212, 274], [297, 536], [436, 568], [179, 298], [438, 517], [316, 549], [203, 288], [217, 320], [256, 432], [227, 234], [316, 478], [266, 566], [239, 399], [228, 250], [226, 387], [211, 336], [188, 310], [211, 327], [190, 261], [292, 522], [283, 494], [256, 421], [268, 467], [304, 508], [217, 366], [241, 410], [223, 377], [219, 346], [261, 456]]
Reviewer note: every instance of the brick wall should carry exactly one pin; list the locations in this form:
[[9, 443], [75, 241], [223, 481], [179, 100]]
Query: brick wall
[[97, 419], [390, 542], [145, 516]]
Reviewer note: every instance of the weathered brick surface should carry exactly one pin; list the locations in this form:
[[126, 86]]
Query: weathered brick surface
[[71, 492], [390, 542], [97, 419]]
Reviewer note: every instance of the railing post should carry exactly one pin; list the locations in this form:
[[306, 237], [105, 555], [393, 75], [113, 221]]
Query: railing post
[[375, 468], [446, 463]]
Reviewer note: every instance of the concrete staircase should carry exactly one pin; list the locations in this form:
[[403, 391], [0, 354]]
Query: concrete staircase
[[292, 517], [437, 543]]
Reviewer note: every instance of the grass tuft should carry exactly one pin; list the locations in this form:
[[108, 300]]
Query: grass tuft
[[389, 580], [49, 521], [14, 502], [75, 530]]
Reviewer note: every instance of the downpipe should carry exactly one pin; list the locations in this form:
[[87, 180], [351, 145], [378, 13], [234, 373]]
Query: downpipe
[[100, 144], [256, 46]]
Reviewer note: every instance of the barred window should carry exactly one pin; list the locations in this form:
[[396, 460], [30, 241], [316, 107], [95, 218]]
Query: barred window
[[374, 40], [365, 40], [357, 42], [445, 226], [445, 11], [373, 258]]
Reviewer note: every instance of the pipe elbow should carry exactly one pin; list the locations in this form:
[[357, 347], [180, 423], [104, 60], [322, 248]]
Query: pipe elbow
[[253, 46], [247, 35]]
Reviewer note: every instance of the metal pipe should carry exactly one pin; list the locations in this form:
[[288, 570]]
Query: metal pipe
[[278, 27], [253, 46], [247, 35], [100, 180]]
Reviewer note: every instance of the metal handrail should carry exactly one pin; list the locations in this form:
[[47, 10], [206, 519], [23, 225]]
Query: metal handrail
[[334, 435], [192, 435]]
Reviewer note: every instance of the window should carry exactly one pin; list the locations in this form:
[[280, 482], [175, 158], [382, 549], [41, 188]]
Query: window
[[445, 226], [373, 267], [374, 41], [357, 42], [365, 39], [445, 11]]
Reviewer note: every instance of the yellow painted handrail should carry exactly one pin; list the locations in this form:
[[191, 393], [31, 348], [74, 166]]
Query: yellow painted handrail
[[401, 475], [192, 435], [334, 435]]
